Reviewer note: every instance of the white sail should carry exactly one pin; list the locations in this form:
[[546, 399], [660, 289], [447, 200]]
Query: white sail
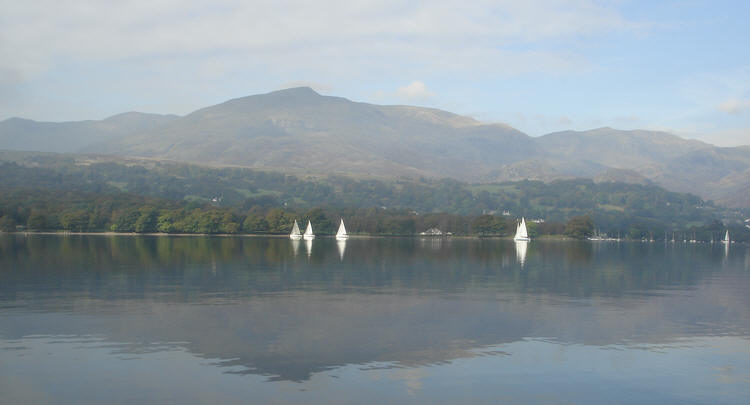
[[521, 232], [309, 235], [341, 233], [295, 232], [726, 237]]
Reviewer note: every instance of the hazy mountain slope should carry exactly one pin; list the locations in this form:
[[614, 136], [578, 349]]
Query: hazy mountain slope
[[299, 129], [675, 163], [29, 135], [733, 190], [616, 148]]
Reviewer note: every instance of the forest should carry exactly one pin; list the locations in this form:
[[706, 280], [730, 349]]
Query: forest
[[49, 192]]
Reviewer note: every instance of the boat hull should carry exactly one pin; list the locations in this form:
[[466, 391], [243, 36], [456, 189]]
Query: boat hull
[[295, 237]]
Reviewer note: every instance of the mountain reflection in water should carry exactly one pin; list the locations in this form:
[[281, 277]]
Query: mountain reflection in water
[[260, 306]]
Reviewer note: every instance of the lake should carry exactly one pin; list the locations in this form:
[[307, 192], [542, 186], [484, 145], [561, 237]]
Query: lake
[[209, 320]]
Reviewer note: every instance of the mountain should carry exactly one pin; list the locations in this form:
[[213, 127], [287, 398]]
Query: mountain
[[300, 131], [675, 163], [64, 137]]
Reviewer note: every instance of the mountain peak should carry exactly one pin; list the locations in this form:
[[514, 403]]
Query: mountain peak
[[278, 98], [296, 91], [130, 116], [17, 120]]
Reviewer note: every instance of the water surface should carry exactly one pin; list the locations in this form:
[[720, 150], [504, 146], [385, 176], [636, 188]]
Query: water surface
[[93, 319]]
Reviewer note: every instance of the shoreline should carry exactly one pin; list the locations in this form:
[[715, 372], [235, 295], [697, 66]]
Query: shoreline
[[110, 233], [263, 235], [545, 238]]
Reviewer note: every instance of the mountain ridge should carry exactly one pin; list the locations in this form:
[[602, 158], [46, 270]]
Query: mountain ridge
[[301, 130], [72, 136]]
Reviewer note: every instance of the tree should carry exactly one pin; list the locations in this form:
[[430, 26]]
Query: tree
[[7, 224], [255, 224], [167, 221], [279, 221], [125, 222], [579, 227], [488, 225], [147, 222], [229, 224], [75, 220], [321, 223], [36, 221]]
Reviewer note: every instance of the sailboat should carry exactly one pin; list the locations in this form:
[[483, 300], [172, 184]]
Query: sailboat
[[309, 235], [726, 238], [521, 234], [295, 235], [341, 233]]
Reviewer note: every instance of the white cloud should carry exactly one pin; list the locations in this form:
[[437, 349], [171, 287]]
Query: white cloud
[[414, 91], [564, 121], [177, 55], [627, 120], [40, 35], [734, 106], [724, 90]]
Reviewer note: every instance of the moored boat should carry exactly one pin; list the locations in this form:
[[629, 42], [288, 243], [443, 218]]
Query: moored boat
[[309, 235], [295, 235], [341, 233], [522, 234]]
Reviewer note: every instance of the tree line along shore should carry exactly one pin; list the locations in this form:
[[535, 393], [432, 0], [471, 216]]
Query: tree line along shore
[[130, 214], [60, 193]]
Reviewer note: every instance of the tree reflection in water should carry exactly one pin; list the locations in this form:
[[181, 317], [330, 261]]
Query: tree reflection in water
[[260, 307]]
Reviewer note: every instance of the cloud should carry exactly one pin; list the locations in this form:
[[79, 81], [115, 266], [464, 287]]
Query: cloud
[[734, 106], [626, 120], [10, 87], [272, 34], [414, 91], [564, 121], [725, 91], [183, 54]]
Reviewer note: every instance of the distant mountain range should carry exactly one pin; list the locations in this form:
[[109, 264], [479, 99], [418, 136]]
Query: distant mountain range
[[300, 131]]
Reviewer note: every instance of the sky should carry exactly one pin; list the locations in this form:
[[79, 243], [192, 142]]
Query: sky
[[539, 66]]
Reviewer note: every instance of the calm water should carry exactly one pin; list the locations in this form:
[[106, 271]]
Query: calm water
[[98, 319]]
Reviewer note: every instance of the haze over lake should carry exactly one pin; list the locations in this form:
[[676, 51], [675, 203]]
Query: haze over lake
[[92, 319]]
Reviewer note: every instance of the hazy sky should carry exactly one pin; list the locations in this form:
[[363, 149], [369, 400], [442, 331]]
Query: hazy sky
[[540, 66]]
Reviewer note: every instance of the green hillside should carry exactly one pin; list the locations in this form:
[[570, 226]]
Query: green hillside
[[60, 184]]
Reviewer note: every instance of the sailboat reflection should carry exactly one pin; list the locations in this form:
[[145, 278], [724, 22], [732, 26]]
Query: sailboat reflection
[[308, 246], [341, 244], [521, 247], [295, 246]]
